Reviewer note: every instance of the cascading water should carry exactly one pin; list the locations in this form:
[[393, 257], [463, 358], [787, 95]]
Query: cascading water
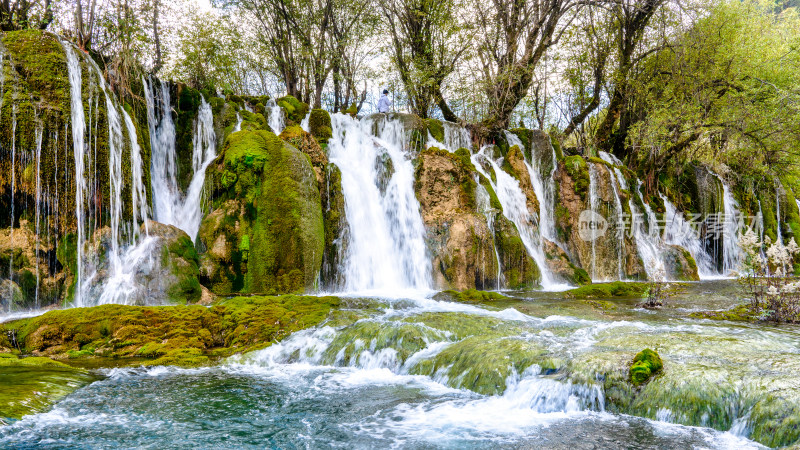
[[484, 206], [386, 249], [171, 206], [677, 231], [648, 243], [78, 125], [778, 215], [455, 137], [276, 120], [545, 189], [515, 208], [594, 204], [163, 157], [731, 252], [238, 126]]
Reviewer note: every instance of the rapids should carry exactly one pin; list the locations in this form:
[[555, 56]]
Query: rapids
[[535, 370]]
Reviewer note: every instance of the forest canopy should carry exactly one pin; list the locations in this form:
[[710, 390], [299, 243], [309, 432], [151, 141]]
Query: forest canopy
[[658, 83]]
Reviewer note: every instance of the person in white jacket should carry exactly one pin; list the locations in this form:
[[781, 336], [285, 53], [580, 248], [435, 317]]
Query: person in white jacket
[[384, 104]]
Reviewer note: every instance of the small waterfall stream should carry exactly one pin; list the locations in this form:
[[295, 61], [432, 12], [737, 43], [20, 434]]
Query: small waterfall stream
[[78, 125], [171, 206], [731, 252], [677, 231], [515, 208], [276, 120], [387, 250]]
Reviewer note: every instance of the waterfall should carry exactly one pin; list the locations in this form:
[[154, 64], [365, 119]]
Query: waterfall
[[305, 123], [455, 137], [163, 157], [515, 208], [204, 147], [484, 206], [731, 252], [37, 245], [545, 189], [387, 248], [238, 126], [78, 124], [13, 188], [171, 207], [648, 243], [276, 121], [594, 204], [777, 215], [138, 190], [620, 220], [677, 231]]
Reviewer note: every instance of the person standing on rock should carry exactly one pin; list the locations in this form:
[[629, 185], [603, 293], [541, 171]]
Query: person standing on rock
[[384, 104]]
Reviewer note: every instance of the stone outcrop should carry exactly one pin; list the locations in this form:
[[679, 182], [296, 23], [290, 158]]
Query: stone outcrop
[[265, 232], [467, 234]]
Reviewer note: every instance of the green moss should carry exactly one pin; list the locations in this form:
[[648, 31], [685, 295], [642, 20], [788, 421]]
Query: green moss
[[470, 296], [33, 384], [519, 269], [319, 124], [578, 170], [645, 364], [435, 128], [185, 335], [295, 109], [740, 313], [281, 213], [608, 290]]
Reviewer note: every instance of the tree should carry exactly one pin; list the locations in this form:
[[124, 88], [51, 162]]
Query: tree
[[23, 14], [631, 19], [514, 36], [427, 42]]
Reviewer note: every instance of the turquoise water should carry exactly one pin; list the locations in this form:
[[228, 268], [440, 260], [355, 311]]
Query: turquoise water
[[416, 373]]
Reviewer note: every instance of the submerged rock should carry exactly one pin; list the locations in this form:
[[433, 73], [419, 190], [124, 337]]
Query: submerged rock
[[31, 385]]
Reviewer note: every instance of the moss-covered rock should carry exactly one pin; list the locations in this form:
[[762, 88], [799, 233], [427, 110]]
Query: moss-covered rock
[[645, 364], [559, 264], [319, 124], [306, 143], [469, 296], [182, 335], [458, 235], [267, 190], [295, 109], [33, 384], [608, 290]]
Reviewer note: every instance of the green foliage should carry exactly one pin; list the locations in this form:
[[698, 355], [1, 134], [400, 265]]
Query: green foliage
[[578, 170], [319, 123], [295, 109]]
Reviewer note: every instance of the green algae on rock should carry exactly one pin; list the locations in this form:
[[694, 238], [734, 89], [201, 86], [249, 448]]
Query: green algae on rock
[[608, 290], [181, 335], [469, 296], [33, 384], [646, 363]]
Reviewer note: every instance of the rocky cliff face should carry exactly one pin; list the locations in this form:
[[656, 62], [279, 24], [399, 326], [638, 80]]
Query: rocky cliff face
[[472, 244]]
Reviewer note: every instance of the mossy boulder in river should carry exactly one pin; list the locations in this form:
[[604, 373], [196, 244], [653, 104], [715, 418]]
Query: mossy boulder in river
[[264, 233], [319, 124], [182, 335], [166, 273], [646, 363], [295, 109]]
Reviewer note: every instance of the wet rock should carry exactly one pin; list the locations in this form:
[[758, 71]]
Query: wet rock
[[559, 264], [645, 364], [264, 230]]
